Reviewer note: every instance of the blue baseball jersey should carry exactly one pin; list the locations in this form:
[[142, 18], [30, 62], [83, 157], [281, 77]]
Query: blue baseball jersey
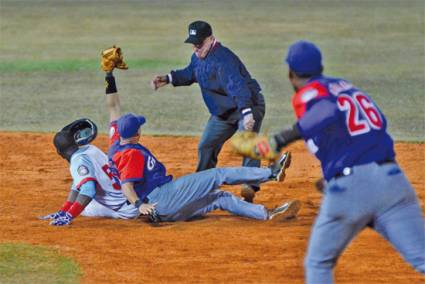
[[341, 125], [225, 83], [136, 164]]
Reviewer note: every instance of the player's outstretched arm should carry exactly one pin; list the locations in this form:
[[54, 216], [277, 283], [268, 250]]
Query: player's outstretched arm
[[130, 194], [82, 199], [112, 58], [257, 146], [286, 137], [72, 196], [112, 98]]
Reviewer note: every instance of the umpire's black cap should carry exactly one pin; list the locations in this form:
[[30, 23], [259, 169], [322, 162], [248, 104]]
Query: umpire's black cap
[[198, 31]]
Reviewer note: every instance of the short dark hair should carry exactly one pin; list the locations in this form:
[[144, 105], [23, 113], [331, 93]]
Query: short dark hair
[[306, 76]]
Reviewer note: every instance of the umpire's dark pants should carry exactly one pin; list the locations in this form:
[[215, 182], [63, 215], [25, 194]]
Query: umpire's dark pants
[[219, 130]]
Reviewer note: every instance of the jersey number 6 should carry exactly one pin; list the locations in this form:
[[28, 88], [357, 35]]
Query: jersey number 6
[[359, 103]]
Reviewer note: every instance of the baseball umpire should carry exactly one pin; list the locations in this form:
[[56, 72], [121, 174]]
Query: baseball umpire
[[231, 95], [364, 186], [147, 186]]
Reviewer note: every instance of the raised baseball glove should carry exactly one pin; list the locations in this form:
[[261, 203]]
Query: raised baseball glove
[[112, 58], [255, 146]]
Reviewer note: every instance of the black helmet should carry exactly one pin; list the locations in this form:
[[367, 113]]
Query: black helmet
[[78, 133]]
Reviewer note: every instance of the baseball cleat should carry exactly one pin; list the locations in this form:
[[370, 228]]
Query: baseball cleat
[[286, 211], [278, 168], [248, 193]]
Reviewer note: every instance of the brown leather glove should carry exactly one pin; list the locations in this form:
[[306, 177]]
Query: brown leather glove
[[112, 58]]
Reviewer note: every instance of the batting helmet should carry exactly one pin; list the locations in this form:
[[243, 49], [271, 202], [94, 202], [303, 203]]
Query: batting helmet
[[78, 133]]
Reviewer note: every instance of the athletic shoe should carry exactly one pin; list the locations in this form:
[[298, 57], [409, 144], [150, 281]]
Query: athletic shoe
[[248, 193], [286, 211], [278, 168]]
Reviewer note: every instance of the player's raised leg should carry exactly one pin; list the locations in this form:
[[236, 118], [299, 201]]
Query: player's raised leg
[[171, 197]]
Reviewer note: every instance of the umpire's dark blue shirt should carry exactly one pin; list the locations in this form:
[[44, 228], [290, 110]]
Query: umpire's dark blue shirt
[[225, 83]]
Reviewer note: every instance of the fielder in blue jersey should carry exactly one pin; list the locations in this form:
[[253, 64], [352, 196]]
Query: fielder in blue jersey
[[153, 192], [363, 184], [231, 95]]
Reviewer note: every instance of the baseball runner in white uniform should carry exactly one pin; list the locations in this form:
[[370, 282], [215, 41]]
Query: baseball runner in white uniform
[[96, 189]]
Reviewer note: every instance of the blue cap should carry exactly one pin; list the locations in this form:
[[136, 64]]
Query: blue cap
[[304, 58], [129, 124]]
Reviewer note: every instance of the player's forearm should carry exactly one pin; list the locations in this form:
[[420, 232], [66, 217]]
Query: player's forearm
[[81, 198], [114, 106], [72, 196], [112, 98], [79, 205], [287, 136], [128, 191]]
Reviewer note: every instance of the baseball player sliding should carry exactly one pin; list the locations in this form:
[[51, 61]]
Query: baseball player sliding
[[147, 186], [95, 190], [364, 186]]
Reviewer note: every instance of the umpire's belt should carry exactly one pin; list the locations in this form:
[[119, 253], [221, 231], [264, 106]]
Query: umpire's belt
[[347, 171], [225, 115]]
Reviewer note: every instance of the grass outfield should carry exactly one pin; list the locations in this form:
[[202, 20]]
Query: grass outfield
[[49, 54], [22, 263]]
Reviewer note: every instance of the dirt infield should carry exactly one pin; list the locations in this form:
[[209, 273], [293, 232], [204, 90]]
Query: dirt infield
[[219, 248]]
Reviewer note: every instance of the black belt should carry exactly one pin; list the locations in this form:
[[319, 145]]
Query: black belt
[[145, 200], [225, 115], [387, 161], [348, 171]]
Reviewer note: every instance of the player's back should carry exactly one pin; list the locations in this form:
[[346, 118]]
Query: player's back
[[90, 163], [341, 124]]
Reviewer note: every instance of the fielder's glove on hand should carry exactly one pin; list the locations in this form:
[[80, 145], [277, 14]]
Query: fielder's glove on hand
[[51, 216], [112, 58], [64, 219], [255, 146]]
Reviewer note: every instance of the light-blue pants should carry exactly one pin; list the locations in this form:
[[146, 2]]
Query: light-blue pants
[[378, 196], [196, 194]]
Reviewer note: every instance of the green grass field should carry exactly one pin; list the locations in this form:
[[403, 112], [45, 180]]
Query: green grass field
[[49, 53], [23, 263]]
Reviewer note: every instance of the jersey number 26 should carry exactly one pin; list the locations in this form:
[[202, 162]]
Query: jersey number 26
[[354, 105]]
